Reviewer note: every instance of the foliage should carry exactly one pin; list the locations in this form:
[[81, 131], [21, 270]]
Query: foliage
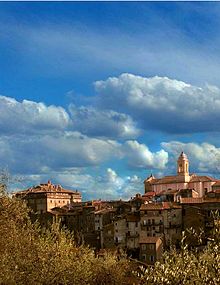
[[30, 255], [186, 266]]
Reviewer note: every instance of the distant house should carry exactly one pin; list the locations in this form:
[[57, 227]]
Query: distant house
[[44, 197]]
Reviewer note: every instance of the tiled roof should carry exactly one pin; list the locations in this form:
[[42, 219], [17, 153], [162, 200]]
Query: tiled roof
[[178, 179], [167, 180], [216, 184], [147, 194], [199, 200], [144, 239], [47, 188], [159, 206], [197, 178]]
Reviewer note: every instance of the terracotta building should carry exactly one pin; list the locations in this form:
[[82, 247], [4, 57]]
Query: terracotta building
[[199, 185], [44, 197]]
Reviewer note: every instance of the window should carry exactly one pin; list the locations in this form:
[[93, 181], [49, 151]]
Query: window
[[136, 224], [143, 247], [153, 228], [151, 258], [127, 225], [153, 221], [144, 257]]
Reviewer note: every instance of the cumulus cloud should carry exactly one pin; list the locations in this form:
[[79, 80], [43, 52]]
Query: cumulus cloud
[[43, 153], [139, 156], [162, 103], [204, 157], [29, 116], [100, 123]]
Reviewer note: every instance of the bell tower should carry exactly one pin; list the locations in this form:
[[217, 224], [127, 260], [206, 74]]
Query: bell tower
[[183, 166]]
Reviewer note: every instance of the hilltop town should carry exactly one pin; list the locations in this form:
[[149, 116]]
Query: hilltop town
[[144, 226]]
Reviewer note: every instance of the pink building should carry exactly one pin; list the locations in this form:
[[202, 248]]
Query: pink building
[[199, 185]]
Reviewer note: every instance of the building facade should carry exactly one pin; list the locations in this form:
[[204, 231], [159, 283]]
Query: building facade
[[44, 197]]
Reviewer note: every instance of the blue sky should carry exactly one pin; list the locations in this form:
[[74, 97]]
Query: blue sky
[[97, 95]]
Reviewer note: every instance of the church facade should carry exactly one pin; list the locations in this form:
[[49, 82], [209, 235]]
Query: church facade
[[198, 185]]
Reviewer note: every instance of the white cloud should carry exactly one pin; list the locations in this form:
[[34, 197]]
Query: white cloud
[[99, 123], [139, 156], [204, 157], [162, 103], [30, 117], [43, 153]]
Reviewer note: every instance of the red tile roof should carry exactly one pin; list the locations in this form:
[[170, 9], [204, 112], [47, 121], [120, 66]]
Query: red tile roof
[[199, 200], [144, 239], [159, 206], [47, 188]]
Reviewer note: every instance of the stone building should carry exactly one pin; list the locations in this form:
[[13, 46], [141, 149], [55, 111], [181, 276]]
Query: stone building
[[44, 197], [162, 220], [151, 249]]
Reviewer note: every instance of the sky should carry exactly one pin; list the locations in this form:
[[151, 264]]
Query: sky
[[96, 96]]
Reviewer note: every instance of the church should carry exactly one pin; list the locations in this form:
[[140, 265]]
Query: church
[[198, 186]]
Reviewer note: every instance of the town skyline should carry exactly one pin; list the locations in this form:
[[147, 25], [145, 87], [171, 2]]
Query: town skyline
[[97, 96]]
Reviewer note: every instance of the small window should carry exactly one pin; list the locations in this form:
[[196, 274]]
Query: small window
[[151, 258]]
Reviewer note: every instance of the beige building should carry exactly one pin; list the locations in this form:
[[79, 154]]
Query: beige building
[[199, 185], [44, 197], [162, 220]]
